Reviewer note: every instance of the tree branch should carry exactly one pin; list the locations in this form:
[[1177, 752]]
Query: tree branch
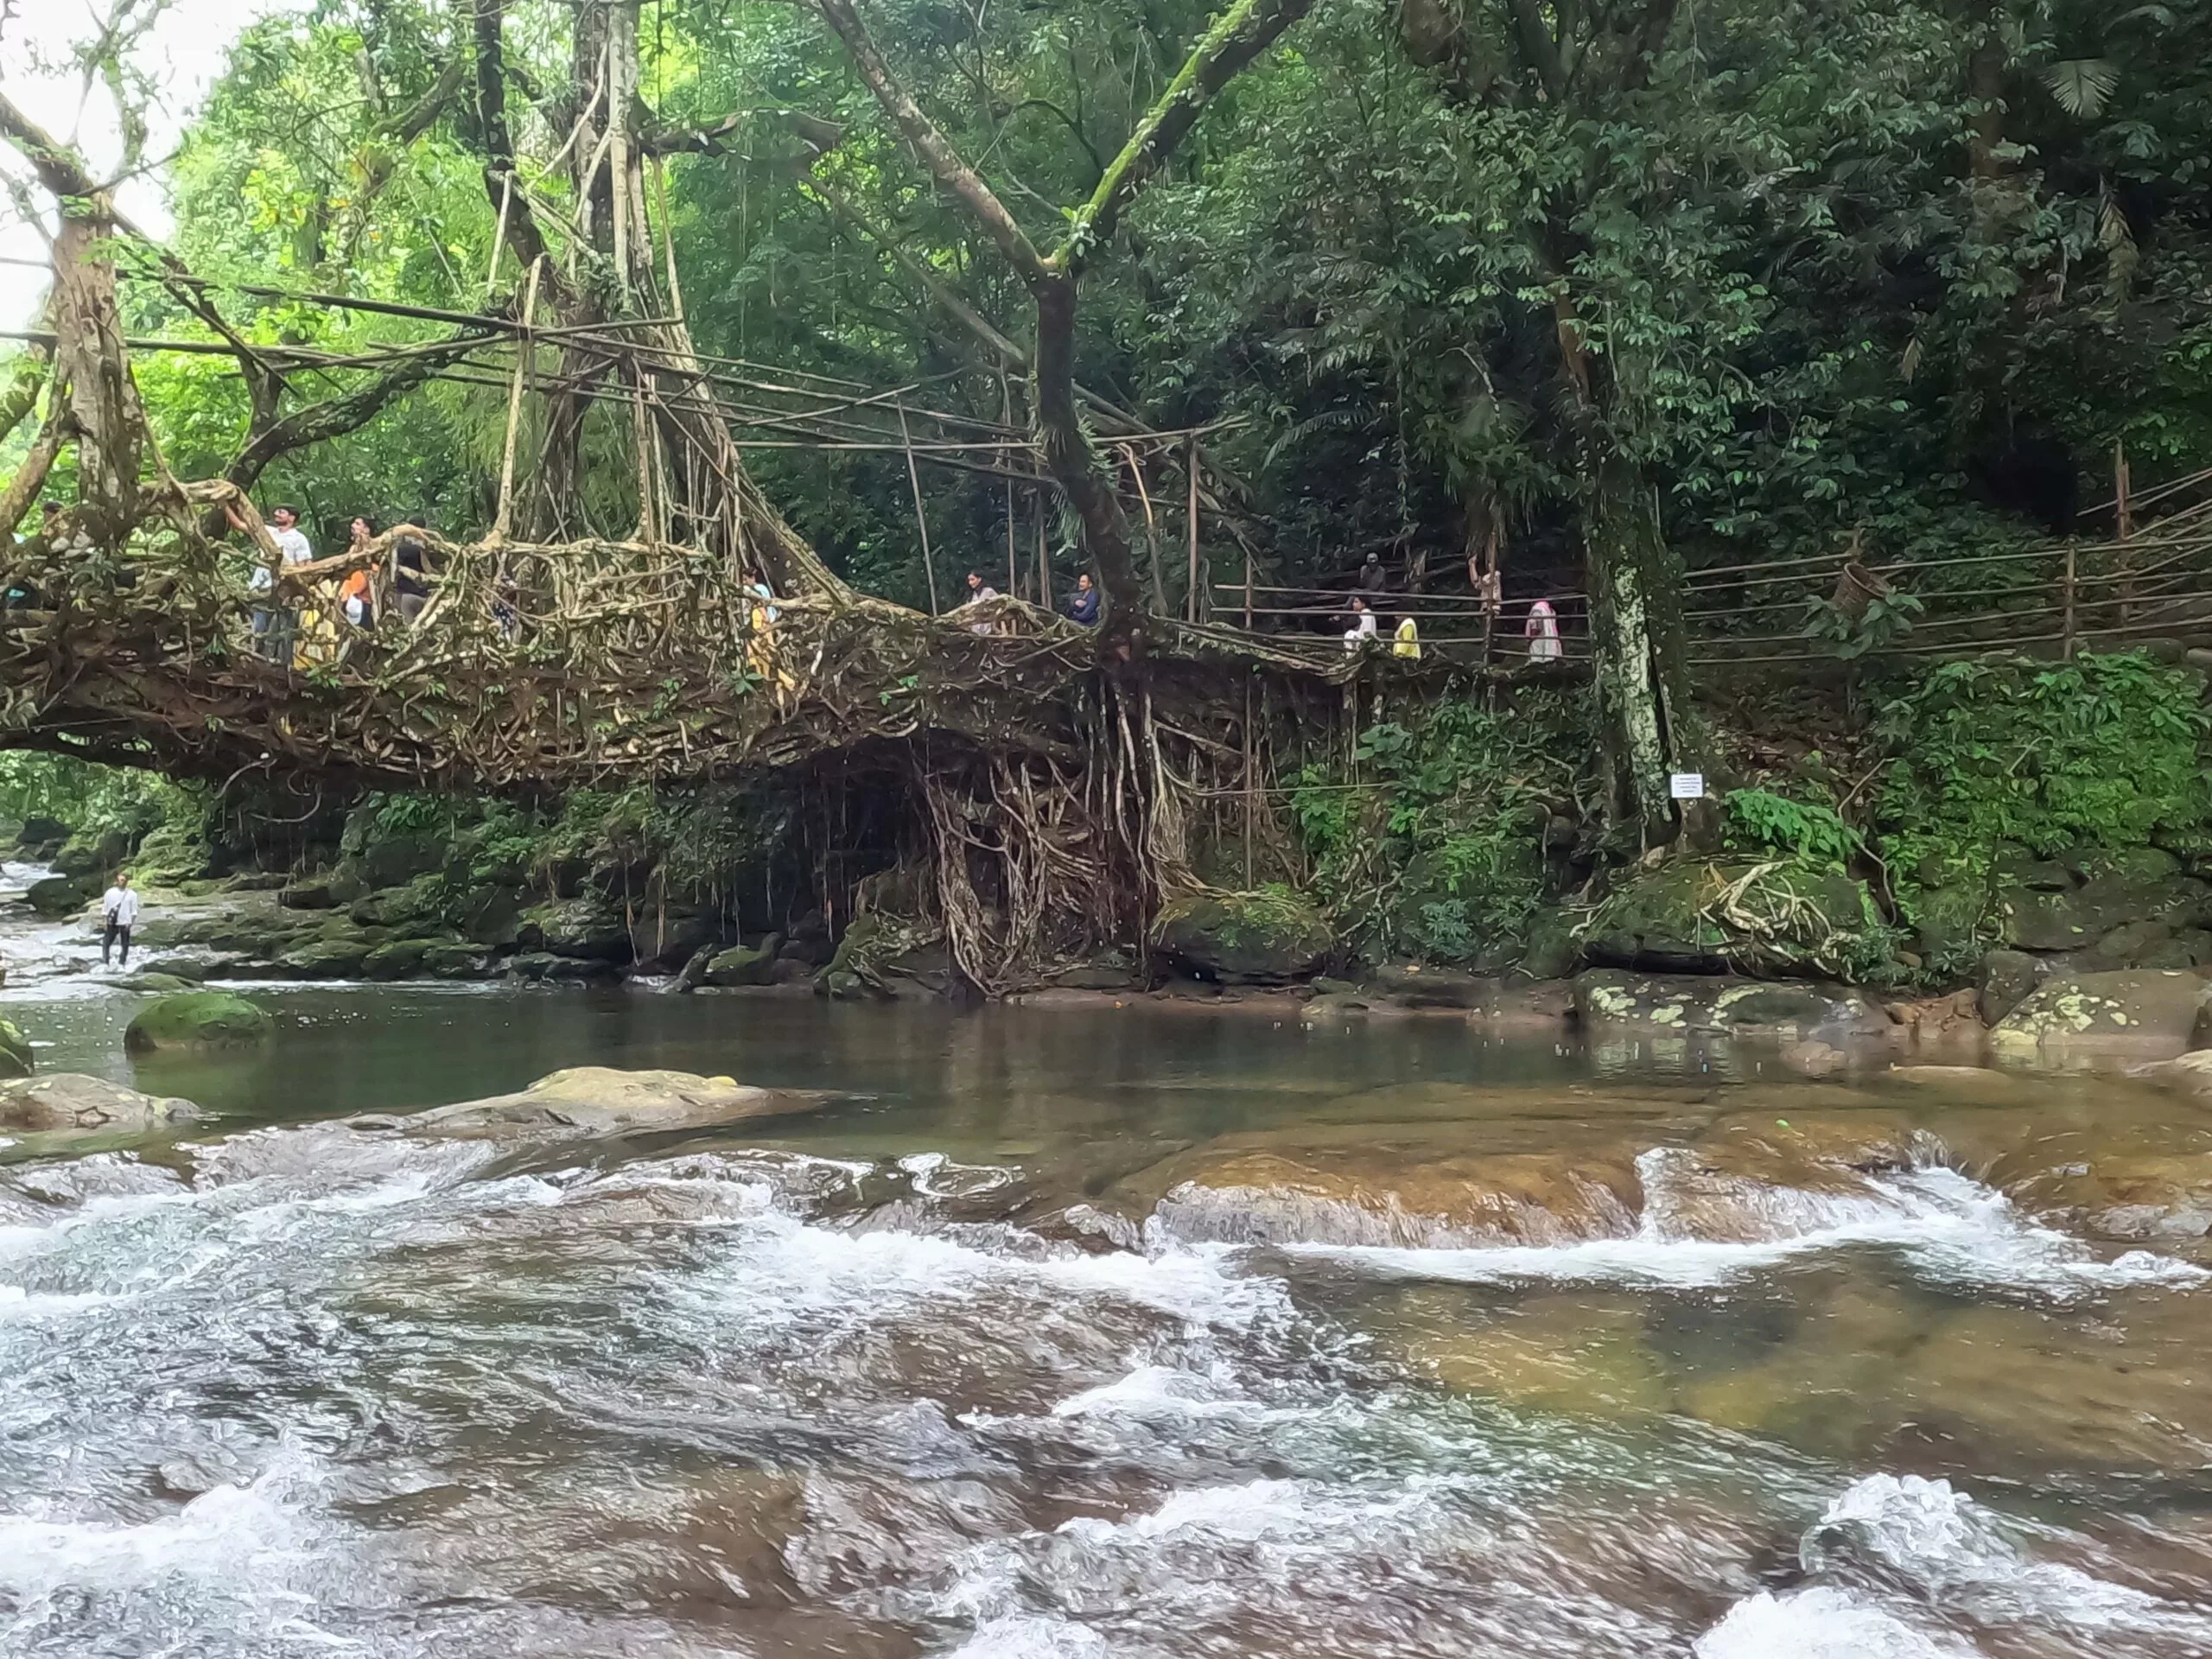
[[944, 162], [1243, 32], [939, 290], [59, 167], [504, 186], [335, 418], [1539, 46]]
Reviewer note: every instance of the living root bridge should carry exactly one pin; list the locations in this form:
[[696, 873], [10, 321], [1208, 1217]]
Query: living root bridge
[[1051, 800]]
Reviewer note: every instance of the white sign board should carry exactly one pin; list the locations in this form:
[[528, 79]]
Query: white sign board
[[1688, 786]]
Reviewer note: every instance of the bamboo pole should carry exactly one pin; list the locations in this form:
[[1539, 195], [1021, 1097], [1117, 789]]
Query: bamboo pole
[[1191, 588], [921, 520], [523, 352], [1044, 561], [2122, 555], [2066, 626]]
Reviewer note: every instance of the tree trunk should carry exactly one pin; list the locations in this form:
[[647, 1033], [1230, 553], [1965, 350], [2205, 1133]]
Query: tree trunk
[[1078, 468], [1639, 643], [89, 360]]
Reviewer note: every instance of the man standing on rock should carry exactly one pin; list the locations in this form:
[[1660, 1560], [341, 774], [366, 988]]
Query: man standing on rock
[[119, 911]]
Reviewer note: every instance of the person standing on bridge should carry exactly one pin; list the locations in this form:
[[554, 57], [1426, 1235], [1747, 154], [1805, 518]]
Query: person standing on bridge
[[979, 593], [1362, 624], [1084, 607], [118, 915], [1373, 579], [1542, 630], [356, 599], [276, 625], [411, 581]]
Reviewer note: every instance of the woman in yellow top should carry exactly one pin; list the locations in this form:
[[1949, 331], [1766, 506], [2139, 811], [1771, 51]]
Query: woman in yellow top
[[1407, 640]]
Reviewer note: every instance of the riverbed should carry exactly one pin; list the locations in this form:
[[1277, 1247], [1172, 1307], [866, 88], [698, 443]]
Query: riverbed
[[958, 1363]]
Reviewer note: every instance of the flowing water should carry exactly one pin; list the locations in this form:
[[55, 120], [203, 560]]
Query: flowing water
[[933, 1371]]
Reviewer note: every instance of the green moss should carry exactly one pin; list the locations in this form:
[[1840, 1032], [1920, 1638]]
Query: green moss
[[197, 1020]]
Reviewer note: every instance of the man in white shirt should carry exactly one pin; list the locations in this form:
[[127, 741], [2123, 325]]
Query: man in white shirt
[[119, 913], [274, 625]]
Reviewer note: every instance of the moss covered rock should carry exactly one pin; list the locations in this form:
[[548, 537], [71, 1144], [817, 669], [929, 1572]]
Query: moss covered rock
[[14, 1051], [1264, 937], [58, 895], [752, 964], [197, 1020], [1709, 916], [1719, 1005], [2154, 1013]]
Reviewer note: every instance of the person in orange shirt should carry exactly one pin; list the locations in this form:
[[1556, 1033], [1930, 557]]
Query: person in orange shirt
[[355, 601]]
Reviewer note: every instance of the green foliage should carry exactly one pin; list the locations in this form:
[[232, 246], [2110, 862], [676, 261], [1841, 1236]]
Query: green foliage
[[92, 797], [1887, 618], [1760, 821], [1434, 843], [2101, 751]]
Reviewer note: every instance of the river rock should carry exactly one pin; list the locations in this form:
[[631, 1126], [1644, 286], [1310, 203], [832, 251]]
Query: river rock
[[1256, 1193], [2006, 978], [16, 1057], [1709, 916], [325, 959], [591, 927], [453, 960], [2127, 1195], [307, 895], [595, 1100], [1787, 1011], [68, 1100], [2142, 1010], [1413, 985], [542, 966], [753, 964], [40, 837], [58, 895], [92, 855], [157, 984], [1261, 938], [197, 1020]]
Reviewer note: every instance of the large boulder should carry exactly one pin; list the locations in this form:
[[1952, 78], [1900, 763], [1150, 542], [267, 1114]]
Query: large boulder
[[591, 928], [753, 964], [2006, 979], [192, 1019], [342, 958], [596, 1100], [1710, 916], [41, 836], [70, 1102], [2107, 892], [2147, 1011], [1260, 937], [452, 961], [92, 855], [16, 1058], [59, 895], [1720, 1005]]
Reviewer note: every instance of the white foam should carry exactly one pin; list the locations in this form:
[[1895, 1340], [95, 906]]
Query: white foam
[[1023, 1638], [786, 1273], [1952, 1228], [1157, 1392], [1927, 1533], [1822, 1623], [242, 1540]]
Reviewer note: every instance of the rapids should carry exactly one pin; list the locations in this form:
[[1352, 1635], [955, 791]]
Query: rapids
[[938, 1372]]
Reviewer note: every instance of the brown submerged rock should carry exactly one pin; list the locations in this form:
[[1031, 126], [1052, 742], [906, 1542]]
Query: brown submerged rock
[[595, 1100], [69, 1102], [1341, 1195]]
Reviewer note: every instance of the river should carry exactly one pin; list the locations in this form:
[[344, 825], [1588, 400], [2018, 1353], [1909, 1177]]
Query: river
[[901, 1377]]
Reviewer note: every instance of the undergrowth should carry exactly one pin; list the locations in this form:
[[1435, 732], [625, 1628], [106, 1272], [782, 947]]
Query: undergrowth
[[1432, 842]]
